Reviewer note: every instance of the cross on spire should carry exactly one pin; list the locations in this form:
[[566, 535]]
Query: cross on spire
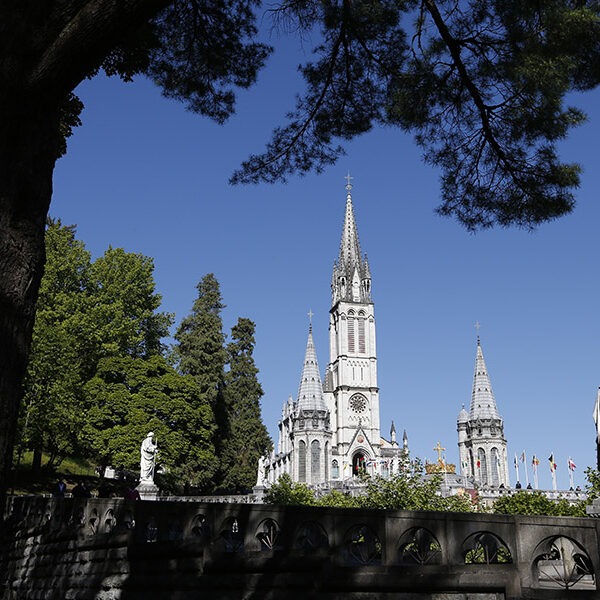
[[348, 178], [439, 449], [310, 316], [477, 326]]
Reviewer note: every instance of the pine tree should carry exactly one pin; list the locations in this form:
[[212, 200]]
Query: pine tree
[[201, 350], [247, 437]]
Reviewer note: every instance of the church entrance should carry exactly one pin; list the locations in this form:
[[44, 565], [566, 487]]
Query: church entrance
[[358, 463]]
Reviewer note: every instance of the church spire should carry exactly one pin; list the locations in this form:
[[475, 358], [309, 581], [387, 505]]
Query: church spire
[[351, 276], [483, 404], [310, 393]]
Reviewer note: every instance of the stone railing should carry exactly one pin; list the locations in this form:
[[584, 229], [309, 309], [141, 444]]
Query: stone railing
[[108, 549]]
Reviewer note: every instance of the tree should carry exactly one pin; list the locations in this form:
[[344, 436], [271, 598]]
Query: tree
[[52, 419], [534, 502], [481, 84], [85, 311], [247, 437], [196, 50], [286, 491], [201, 351], [130, 396]]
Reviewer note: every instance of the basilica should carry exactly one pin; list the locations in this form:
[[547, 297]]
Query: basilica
[[332, 431]]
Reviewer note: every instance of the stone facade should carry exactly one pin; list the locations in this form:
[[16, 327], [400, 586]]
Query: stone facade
[[332, 431], [63, 549]]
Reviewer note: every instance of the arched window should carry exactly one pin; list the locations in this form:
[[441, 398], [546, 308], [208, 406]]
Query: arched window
[[335, 469], [482, 471], [302, 461], [315, 461], [361, 335], [495, 467], [351, 346]]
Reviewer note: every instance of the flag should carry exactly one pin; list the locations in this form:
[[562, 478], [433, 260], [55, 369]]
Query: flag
[[572, 466], [522, 457], [552, 463], [478, 463], [535, 461], [345, 465], [516, 461], [498, 460]]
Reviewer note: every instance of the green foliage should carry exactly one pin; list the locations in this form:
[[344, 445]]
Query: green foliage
[[85, 311], [534, 502], [592, 487], [129, 397], [407, 490], [247, 438], [285, 491]]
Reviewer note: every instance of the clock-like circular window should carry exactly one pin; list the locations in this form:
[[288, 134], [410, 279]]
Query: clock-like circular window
[[358, 403]]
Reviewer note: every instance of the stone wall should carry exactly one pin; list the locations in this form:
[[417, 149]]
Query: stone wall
[[108, 549]]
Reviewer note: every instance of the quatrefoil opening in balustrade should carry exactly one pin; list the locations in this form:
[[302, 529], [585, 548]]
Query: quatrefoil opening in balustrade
[[267, 535], [561, 563], [418, 546], [310, 536], [485, 548], [362, 547]]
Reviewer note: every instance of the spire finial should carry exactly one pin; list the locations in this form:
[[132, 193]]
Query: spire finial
[[477, 326], [348, 178], [310, 316]]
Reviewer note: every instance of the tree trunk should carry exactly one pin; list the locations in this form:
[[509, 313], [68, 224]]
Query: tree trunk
[[28, 146], [36, 461]]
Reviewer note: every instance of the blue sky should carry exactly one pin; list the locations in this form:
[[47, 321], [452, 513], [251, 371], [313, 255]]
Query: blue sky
[[144, 174]]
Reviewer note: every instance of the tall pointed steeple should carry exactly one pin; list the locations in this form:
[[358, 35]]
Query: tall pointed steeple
[[350, 256], [483, 404], [310, 393], [351, 279]]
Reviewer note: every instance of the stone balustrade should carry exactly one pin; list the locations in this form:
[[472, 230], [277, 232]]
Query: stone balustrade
[[113, 548]]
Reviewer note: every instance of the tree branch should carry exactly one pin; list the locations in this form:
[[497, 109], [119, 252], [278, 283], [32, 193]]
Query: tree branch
[[86, 39]]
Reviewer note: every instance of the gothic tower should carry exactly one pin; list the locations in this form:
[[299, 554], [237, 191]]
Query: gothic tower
[[351, 389], [481, 441], [310, 424]]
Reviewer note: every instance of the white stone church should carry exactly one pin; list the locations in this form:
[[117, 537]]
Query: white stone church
[[332, 430]]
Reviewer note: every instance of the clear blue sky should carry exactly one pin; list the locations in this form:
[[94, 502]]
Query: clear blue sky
[[145, 175]]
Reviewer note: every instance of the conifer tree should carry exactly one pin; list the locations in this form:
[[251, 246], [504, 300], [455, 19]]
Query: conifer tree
[[247, 437], [201, 350]]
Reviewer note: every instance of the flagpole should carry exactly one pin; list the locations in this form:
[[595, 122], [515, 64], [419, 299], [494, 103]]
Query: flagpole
[[571, 486], [535, 473], [553, 471], [517, 467], [525, 467]]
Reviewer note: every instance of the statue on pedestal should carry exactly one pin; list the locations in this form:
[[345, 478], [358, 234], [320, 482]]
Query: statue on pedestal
[[148, 459]]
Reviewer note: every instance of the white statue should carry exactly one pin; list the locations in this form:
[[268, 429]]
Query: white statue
[[148, 459], [261, 474]]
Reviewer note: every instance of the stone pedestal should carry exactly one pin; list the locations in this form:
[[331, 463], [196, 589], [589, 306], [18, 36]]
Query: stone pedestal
[[259, 491], [148, 490]]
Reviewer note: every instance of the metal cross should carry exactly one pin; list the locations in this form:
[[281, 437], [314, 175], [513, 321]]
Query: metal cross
[[439, 449], [310, 316], [348, 184], [477, 326]]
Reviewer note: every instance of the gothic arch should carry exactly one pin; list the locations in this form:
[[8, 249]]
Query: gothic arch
[[495, 466], [302, 461], [418, 546], [560, 562], [315, 461], [482, 467], [485, 547], [362, 547]]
